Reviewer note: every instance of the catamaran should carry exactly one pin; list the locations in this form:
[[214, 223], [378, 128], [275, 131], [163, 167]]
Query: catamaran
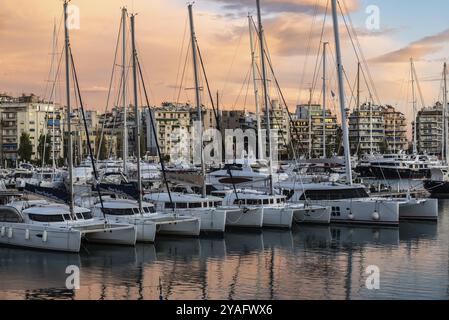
[[43, 225], [138, 213]]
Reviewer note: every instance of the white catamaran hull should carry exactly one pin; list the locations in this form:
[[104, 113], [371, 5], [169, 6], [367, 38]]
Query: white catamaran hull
[[39, 237], [419, 209], [145, 229], [112, 234], [277, 217], [312, 214], [177, 226], [211, 220], [363, 211], [245, 218]]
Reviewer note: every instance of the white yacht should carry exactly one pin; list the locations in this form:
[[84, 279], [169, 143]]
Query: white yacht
[[244, 175], [349, 204], [207, 210], [41, 225], [149, 222]]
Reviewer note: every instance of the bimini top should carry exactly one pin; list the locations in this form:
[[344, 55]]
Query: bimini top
[[122, 204], [53, 209], [180, 197], [317, 186]]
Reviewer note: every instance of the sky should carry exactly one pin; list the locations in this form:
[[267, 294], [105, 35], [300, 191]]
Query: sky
[[293, 28]]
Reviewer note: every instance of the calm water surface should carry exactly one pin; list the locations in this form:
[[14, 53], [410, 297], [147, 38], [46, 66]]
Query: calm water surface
[[320, 262]]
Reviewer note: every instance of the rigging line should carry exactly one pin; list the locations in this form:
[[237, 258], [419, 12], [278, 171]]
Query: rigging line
[[110, 84], [241, 89], [153, 126], [207, 83], [52, 93], [145, 73], [180, 58], [309, 43], [418, 86], [54, 46], [217, 117], [318, 60], [86, 128], [359, 47], [226, 81], [302, 146], [183, 73]]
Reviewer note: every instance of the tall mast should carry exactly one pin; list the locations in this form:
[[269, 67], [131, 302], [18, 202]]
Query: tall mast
[[256, 89], [197, 94], [309, 111], [125, 111], [358, 106], [344, 123], [265, 93], [445, 136], [69, 108], [324, 99], [136, 112], [371, 128], [415, 133], [55, 74]]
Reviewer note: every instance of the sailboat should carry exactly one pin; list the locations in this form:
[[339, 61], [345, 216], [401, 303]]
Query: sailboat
[[203, 207], [141, 214], [438, 183], [44, 225]]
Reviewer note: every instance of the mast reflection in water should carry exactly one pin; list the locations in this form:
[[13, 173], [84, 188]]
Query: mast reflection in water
[[315, 262]]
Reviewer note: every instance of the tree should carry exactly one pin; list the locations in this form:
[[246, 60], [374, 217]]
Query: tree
[[44, 145], [383, 147], [25, 147], [143, 146], [103, 154]]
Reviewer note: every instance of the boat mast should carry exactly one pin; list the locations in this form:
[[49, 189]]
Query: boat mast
[[344, 123], [415, 134], [445, 137], [265, 93], [69, 108], [371, 127], [197, 94], [259, 148], [358, 106], [309, 111], [324, 99], [125, 111], [55, 75], [136, 112]]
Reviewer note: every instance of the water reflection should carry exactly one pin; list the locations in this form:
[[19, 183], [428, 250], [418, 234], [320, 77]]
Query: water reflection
[[309, 262]]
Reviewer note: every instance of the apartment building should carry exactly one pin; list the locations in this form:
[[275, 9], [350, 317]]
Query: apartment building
[[308, 130], [395, 130], [429, 126], [30, 114], [367, 129]]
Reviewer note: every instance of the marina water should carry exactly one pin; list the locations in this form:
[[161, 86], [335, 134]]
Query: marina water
[[309, 262]]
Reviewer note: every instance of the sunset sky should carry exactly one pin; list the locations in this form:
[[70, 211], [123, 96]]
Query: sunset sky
[[416, 29]]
